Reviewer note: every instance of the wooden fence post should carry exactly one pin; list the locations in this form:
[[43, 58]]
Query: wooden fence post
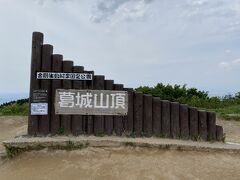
[[157, 116], [184, 121], [175, 122], [56, 84], [166, 126], [98, 120], [138, 113], [147, 115], [37, 41], [202, 115], [77, 120], [193, 122], [66, 84], [109, 119], [118, 120], [211, 124], [44, 122]]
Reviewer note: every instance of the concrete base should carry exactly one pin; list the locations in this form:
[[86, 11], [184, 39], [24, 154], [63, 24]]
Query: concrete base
[[71, 142]]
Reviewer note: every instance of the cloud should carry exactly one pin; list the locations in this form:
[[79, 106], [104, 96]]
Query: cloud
[[120, 10], [229, 65]]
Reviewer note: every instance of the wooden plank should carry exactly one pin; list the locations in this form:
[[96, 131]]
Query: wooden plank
[[66, 84], [166, 126], [44, 121], [109, 119], [98, 119], [118, 120], [175, 122], [184, 121], [138, 113], [37, 41], [88, 122], [56, 84], [219, 133], [147, 115], [128, 120], [202, 115], [157, 116], [77, 120], [211, 124], [193, 122]]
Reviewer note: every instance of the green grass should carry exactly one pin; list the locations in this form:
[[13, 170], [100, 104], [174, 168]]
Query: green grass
[[228, 113], [14, 109]]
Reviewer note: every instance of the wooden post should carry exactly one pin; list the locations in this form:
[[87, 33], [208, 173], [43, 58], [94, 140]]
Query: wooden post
[[77, 120], [193, 121], [118, 120], [175, 122], [44, 122], [211, 124], [109, 119], [66, 84], [166, 126], [98, 120], [157, 116], [37, 41], [56, 84], [202, 115], [219, 133], [184, 121], [128, 120], [147, 115], [88, 120], [138, 113]]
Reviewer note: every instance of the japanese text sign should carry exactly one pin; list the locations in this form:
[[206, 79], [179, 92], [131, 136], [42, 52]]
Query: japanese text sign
[[91, 102]]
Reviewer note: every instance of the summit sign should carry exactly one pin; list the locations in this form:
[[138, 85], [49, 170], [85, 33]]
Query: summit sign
[[91, 102]]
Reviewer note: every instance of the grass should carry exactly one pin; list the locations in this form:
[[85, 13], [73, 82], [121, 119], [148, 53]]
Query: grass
[[229, 112], [14, 109]]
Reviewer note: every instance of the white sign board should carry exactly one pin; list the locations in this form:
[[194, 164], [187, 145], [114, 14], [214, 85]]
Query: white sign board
[[66, 76], [39, 108], [91, 102]]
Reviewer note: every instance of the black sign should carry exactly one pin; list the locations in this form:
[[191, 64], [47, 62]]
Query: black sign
[[39, 96]]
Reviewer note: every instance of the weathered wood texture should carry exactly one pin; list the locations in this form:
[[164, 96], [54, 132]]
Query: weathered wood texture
[[56, 84], [193, 122], [138, 113], [88, 120], [66, 84], [109, 85], [202, 116], [211, 125], [98, 120], [77, 120], [157, 116], [166, 118], [146, 116], [184, 121], [175, 123], [118, 120], [37, 41], [219, 133], [44, 121]]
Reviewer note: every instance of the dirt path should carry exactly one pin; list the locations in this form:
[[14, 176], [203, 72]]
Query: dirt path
[[118, 163], [121, 163], [12, 126]]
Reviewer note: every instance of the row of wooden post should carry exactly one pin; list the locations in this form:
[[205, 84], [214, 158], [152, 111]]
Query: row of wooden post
[[147, 115]]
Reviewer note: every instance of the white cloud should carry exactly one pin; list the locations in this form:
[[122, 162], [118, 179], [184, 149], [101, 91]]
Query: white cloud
[[231, 64]]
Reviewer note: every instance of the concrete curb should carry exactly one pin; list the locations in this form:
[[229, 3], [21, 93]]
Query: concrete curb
[[70, 142]]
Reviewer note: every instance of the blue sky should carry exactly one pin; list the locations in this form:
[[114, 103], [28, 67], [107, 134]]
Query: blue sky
[[134, 42]]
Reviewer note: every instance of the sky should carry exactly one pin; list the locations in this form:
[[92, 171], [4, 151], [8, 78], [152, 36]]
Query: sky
[[134, 42]]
